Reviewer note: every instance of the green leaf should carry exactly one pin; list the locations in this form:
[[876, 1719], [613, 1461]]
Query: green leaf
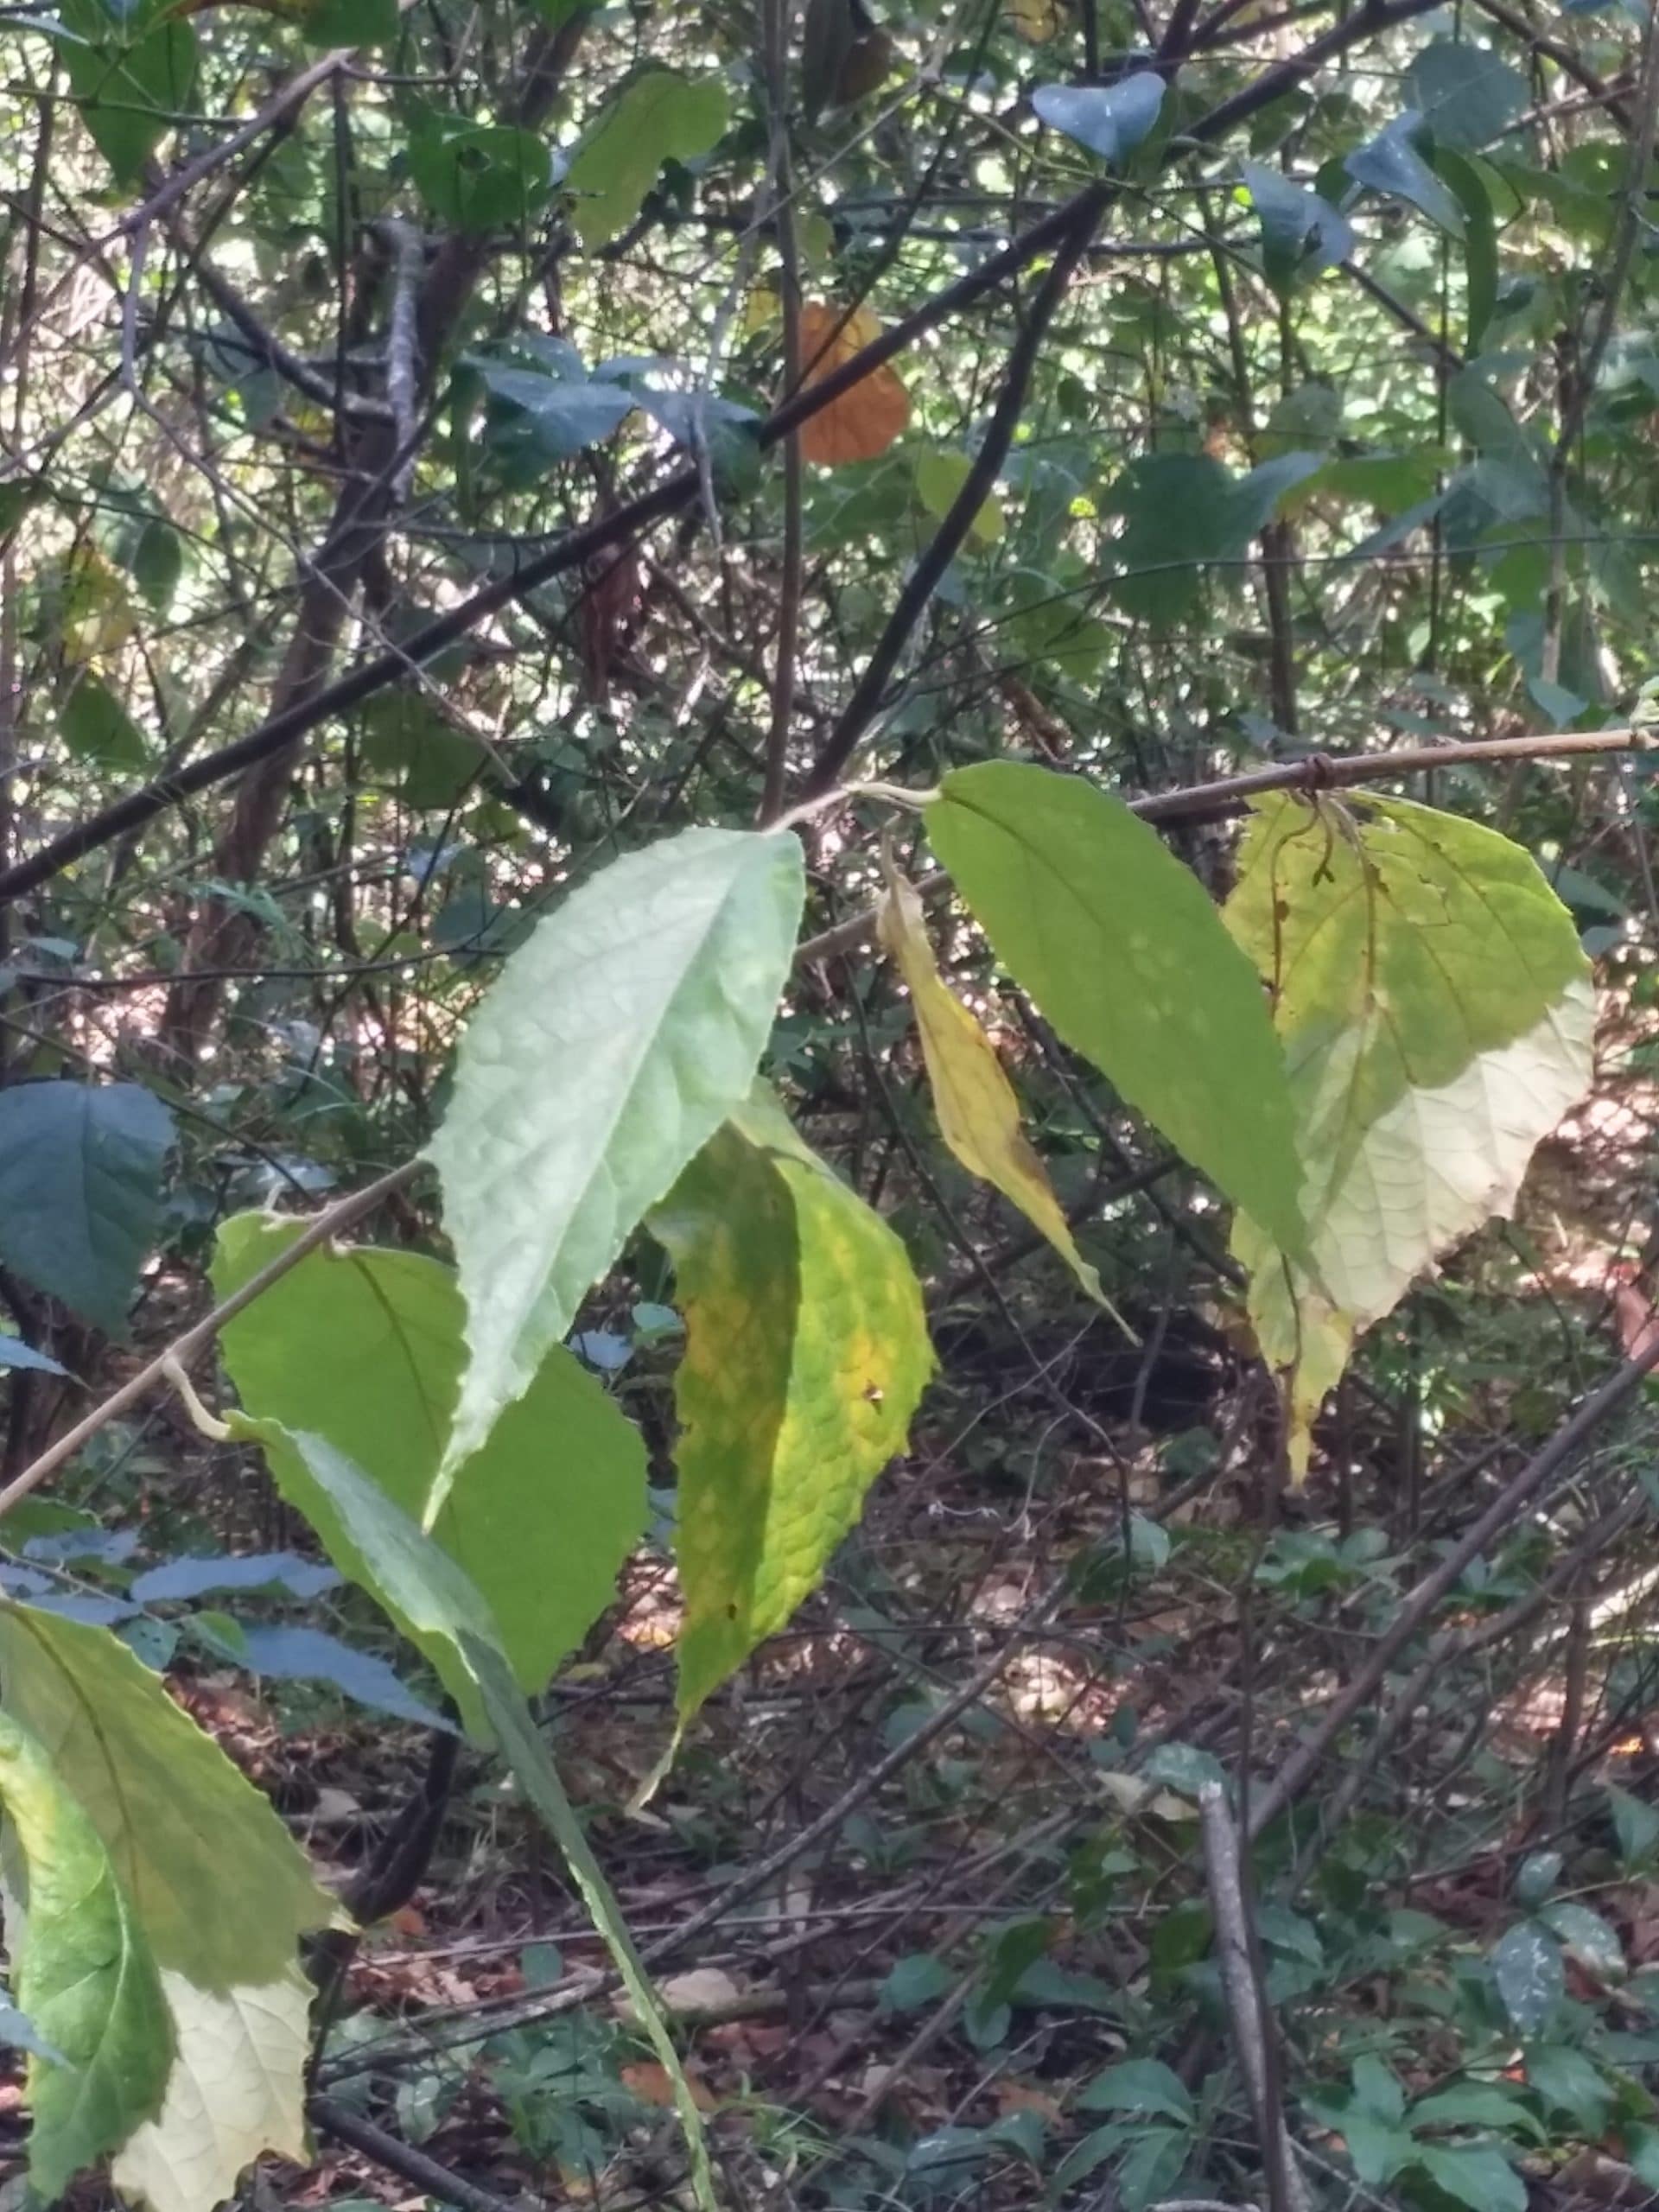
[[1144, 2086], [613, 1045], [1635, 1824], [378, 1546], [157, 562], [1302, 234], [537, 417], [365, 1346], [1570, 2084], [806, 1353], [1475, 2104], [350, 23], [1642, 2149], [917, 1980], [1436, 1014], [129, 93], [237, 2090], [1479, 241], [80, 1190], [96, 726], [1477, 2174], [1467, 95], [410, 744], [939, 477], [1181, 509], [479, 176], [661, 116], [1527, 1966], [1110, 120], [220, 1890], [83, 1975], [1154, 2162], [1377, 2091], [1391, 164], [1123, 951]]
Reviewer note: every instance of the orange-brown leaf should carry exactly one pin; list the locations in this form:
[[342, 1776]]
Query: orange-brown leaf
[[863, 422]]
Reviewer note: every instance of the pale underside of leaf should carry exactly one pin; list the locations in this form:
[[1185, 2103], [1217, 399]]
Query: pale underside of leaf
[[612, 1046], [1427, 1173], [237, 2090]]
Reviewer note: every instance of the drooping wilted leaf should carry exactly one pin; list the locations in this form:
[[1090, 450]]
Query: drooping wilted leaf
[[1123, 951], [612, 1046], [365, 1346], [84, 1976], [660, 115], [80, 1190], [1436, 1015], [979, 1113], [806, 1352], [217, 1888], [1390, 164]]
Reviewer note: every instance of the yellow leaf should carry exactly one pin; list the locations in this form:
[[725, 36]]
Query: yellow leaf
[[864, 421], [939, 477], [979, 1113], [1037, 20]]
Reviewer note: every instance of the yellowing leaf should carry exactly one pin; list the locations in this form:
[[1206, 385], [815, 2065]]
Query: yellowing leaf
[[83, 1975], [237, 2090], [864, 421], [1437, 1019], [1037, 20], [939, 477], [979, 1113], [806, 1353]]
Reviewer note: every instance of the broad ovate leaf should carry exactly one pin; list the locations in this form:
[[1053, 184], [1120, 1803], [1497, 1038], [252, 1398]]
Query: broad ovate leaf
[[237, 2090], [612, 1046], [1437, 1017], [1110, 120], [660, 115], [380, 1547], [220, 1891], [83, 1975], [979, 1113], [863, 421], [80, 1190], [806, 1353], [366, 1346], [1123, 951]]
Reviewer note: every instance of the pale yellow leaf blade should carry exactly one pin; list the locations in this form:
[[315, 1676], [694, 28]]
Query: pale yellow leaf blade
[[237, 2090], [978, 1110]]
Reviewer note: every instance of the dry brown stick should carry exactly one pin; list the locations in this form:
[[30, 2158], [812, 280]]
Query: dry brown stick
[[1318, 772], [1505, 1508], [1247, 2005]]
